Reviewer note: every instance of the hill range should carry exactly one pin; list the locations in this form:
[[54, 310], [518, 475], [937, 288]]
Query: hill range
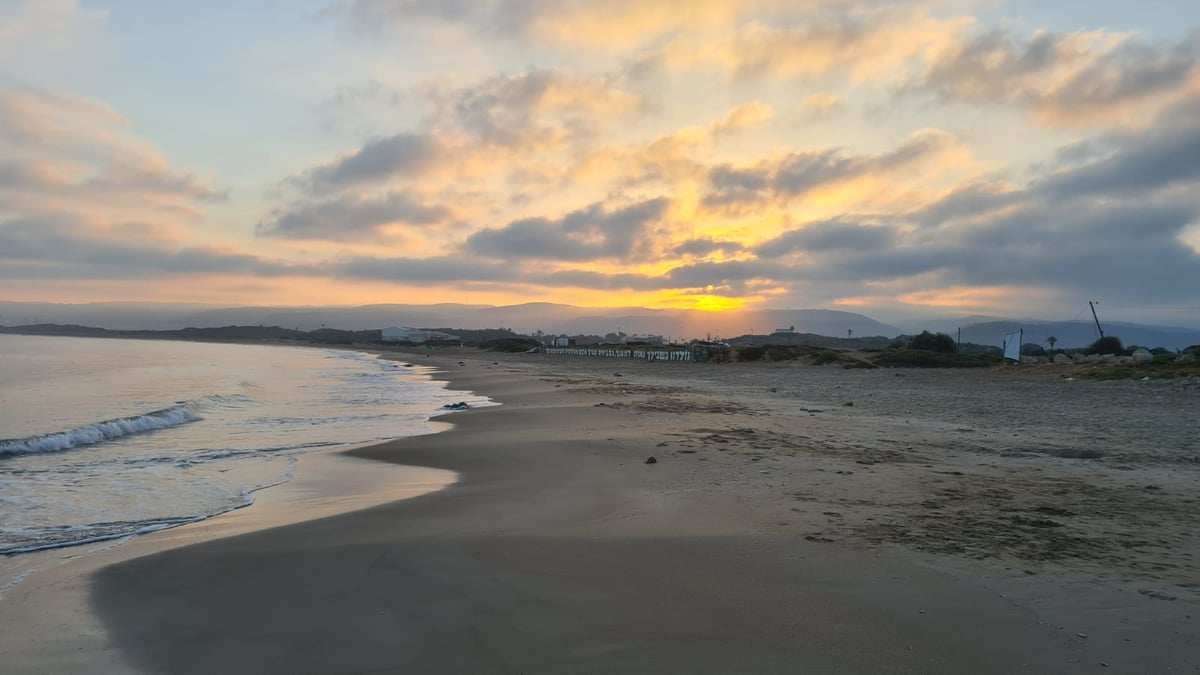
[[556, 319]]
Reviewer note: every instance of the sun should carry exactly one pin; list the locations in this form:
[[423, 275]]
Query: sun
[[699, 302]]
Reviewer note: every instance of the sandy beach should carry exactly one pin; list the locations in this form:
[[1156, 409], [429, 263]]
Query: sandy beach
[[795, 519]]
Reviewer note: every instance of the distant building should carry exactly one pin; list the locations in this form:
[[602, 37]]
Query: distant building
[[414, 335], [563, 341], [784, 331], [645, 340]]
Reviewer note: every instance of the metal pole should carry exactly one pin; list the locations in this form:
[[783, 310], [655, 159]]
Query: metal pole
[[1095, 318]]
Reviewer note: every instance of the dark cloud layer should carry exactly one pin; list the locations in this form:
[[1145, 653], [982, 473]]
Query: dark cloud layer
[[348, 218], [592, 233], [799, 173], [529, 109], [1164, 155], [1068, 76], [400, 155], [828, 236], [58, 247]]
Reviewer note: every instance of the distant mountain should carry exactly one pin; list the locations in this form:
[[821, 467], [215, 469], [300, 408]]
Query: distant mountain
[[1073, 334], [523, 318], [559, 318]]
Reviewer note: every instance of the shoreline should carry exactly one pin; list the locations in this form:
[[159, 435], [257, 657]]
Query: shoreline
[[560, 549], [45, 591]]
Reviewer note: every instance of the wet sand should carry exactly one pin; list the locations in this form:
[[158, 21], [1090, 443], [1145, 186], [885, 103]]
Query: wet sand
[[797, 519]]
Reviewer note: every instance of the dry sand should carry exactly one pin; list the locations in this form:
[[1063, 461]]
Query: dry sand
[[798, 519]]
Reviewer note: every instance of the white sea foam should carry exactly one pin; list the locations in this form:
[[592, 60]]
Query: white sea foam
[[100, 431], [224, 422]]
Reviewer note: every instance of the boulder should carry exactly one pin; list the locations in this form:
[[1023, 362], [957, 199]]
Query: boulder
[[1124, 360], [1142, 356], [1029, 359], [1108, 358], [1063, 359], [1186, 357], [1078, 358]]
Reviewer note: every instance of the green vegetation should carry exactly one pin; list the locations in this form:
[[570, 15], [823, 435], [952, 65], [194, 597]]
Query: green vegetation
[[513, 344], [1152, 371], [1032, 349], [1109, 344], [933, 342], [826, 356], [917, 358], [750, 353]]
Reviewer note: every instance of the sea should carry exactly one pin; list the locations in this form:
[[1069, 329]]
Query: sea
[[102, 439]]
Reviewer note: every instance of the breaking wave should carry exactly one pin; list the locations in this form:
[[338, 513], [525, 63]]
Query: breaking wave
[[100, 432]]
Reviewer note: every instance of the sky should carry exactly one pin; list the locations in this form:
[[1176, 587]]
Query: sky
[[988, 157]]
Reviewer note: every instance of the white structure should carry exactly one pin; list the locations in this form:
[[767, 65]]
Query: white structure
[[646, 339], [414, 335], [784, 331], [1012, 345]]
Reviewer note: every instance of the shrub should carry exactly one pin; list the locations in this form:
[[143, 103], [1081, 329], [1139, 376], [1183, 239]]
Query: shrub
[[750, 353], [914, 358], [940, 343], [780, 353], [1109, 344], [826, 356], [510, 345], [1032, 349]]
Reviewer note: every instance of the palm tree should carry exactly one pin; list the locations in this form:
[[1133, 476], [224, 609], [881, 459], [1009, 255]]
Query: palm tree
[[1051, 341]]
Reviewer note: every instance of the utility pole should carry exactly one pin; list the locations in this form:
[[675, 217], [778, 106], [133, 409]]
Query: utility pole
[[1095, 318], [959, 348]]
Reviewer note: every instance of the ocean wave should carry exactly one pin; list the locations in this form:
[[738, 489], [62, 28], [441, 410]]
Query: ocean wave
[[19, 540], [100, 432]]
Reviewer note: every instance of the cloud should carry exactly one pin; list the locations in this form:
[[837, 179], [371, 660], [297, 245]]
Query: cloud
[[1165, 154], [1065, 79], [518, 127], [399, 155], [350, 217], [44, 29], [66, 148], [68, 157], [669, 158], [799, 173], [705, 247], [460, 270], [743, 116], [826, 236], [592, 233], [537, 108], [967, 202], [572, 23], [822, 106], [33, 119], [861, 41], [62, 247]]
